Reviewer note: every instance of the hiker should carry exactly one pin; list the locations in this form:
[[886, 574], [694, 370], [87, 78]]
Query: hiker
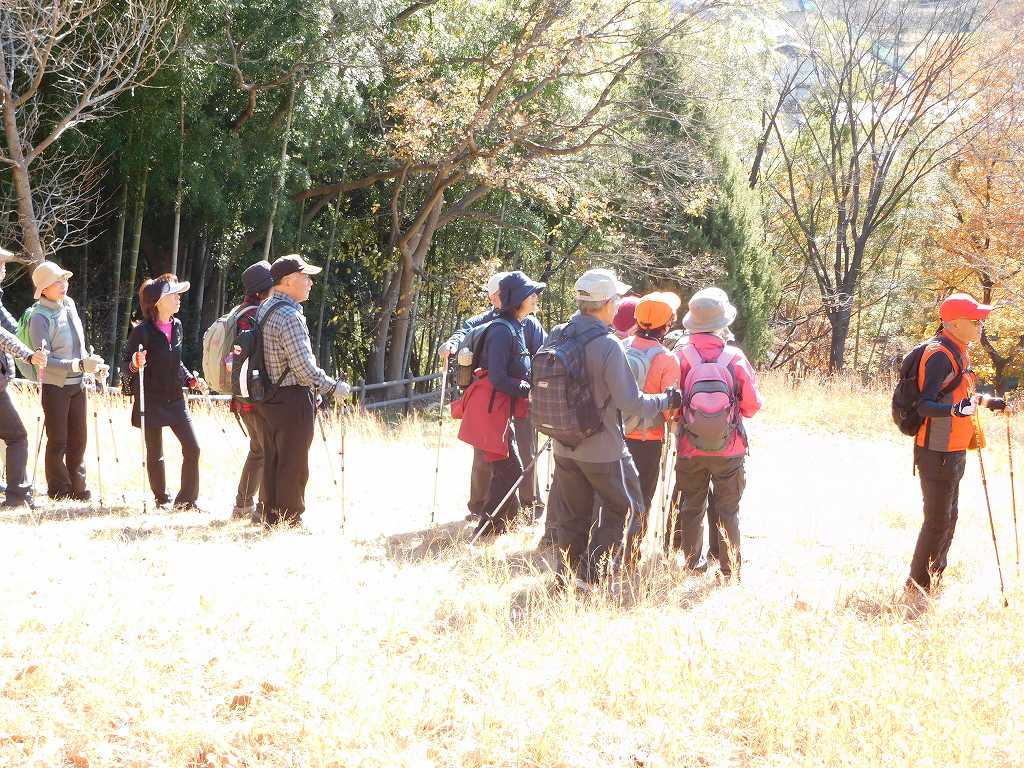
[[164, 375], [288, 414], [624, 322], [592, 459], [719, 390], [256, 284], [54, 323], [499, 394], [947, 404], [655, 370], [526, 435], [12, 431]]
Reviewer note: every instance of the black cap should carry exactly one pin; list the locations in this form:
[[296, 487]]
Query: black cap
[[257, 278], [289, 265]]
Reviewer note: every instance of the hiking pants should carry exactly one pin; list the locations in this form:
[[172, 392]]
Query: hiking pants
[[591, 542], [940, 474], [675, 540], [13, 433], [504, 474], [251, 480], [694, 477], [479, 484], [647, 457], [288, 423], [526, 447], [64, 413], [188, 491]]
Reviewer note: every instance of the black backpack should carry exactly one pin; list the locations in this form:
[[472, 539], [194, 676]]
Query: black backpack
[[250, 382], [907, 395], [561, 403]]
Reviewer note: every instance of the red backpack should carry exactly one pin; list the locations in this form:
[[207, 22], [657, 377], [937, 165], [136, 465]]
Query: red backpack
[[711, 399]]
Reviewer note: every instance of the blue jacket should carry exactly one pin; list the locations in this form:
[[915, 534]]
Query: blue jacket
[[506, 358], [532, 329]]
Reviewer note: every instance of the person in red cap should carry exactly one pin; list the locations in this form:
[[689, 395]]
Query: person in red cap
[[656, 369], [948, 403], [624, 322]]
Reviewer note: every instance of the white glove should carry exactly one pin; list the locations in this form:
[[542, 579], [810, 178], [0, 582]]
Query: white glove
[[342, 390], [446, 350], [92, 363]]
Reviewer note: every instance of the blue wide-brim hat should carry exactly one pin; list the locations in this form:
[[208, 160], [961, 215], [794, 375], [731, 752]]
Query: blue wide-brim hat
[[516, 288]]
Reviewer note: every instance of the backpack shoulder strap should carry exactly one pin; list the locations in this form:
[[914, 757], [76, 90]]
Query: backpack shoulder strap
[[951, 351], [693, 357]]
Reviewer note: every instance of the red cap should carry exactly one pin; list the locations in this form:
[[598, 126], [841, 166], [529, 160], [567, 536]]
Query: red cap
[[625, 315], [962, 306]]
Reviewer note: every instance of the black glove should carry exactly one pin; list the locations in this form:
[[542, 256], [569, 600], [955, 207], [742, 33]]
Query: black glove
[[965, 407], [675, 399], [995, 404]]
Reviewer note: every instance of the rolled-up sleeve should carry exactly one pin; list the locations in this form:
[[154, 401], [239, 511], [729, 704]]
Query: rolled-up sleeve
[[12, 345]]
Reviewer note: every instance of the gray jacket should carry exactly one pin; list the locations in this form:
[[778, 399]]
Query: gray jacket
[[614, 390], [10, 345], [61, 327], [9, 324]]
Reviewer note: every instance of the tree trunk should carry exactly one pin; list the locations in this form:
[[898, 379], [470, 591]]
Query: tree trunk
[[840, 322], [279, 181], [83, 267], [133, 255], [378, 360], [199, 280], [179, 191], [115, 286], [400, 325], [31, 242], [325, 287]]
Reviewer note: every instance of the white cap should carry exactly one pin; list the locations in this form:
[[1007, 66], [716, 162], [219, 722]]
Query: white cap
[[599, 285], [494, 282]]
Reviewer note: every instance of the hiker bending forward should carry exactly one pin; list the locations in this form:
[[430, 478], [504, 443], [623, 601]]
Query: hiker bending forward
[[54, 323], [948, 403], [719, 390], [164, 376], [590, 537]]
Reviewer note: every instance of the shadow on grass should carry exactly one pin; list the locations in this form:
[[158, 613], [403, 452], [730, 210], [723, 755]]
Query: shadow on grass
[[57, 513], [887, 609], [208, 531], [428, 543]]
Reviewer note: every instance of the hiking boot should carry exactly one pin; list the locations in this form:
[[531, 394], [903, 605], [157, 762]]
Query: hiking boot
[[472, 517], [243, 512], [17, 502], [187, 506], [85, 495]]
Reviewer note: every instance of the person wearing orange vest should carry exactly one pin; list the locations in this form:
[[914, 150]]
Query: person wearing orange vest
[[948, 404], [654, 315]]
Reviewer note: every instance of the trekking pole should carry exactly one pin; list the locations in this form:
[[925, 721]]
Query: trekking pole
[[1013, 489], [341, 428], [489, 519], [988, 502], [440, 435], [40, 423], [330, 465], [96, 435], [113, 448], [142, 425]]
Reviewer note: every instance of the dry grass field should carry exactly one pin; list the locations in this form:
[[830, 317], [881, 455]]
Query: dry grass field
[[191, 640]]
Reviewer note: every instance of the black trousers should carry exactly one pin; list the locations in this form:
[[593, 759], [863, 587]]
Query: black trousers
[[288, 425], [188, 492], [694, 477], [13, 433], [480, 476], [940, 475], [504, 474], [591, 537], [251, 480], [647, 457], [67, 432]]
